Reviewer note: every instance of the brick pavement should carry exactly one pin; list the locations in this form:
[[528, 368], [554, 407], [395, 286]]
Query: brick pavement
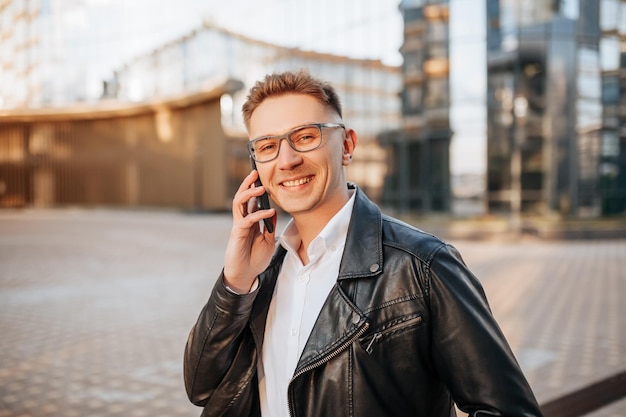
[[560, 306], [95, 307]]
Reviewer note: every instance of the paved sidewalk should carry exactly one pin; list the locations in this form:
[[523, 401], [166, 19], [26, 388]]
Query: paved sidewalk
[[95, 307]]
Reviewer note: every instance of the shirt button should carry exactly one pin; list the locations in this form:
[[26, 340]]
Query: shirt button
[[333, 248], [374, 267], [294, 332]]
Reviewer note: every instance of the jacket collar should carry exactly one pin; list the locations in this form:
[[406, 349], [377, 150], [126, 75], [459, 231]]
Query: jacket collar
[[363, 253]]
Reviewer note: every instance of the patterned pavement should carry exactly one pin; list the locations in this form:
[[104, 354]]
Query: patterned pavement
[[95, 306]]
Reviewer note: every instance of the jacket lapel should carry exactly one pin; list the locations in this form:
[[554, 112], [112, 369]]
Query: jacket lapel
[[338, 323], [363, 253]]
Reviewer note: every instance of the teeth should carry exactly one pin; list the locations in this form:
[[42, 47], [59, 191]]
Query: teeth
[[296, 182]]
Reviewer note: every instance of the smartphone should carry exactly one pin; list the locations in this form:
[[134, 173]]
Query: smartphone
[[262, 202]]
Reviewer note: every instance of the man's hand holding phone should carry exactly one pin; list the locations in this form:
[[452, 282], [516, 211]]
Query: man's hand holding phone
[[250, 249]]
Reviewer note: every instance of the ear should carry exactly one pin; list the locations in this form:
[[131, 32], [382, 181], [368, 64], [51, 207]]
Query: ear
[[349, 143]]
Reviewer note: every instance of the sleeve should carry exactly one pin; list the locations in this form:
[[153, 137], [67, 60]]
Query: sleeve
[[220, 356], [470, 351]]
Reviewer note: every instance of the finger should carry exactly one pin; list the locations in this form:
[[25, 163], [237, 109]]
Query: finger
[[252, 221], [244, 193], [267, 217], [244, 186], [251, 206], [244, 202]]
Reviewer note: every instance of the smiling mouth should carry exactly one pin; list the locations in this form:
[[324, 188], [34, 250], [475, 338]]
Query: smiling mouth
[[295, 183]]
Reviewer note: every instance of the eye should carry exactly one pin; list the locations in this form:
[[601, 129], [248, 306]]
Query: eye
[[305, 136], [265, 146]]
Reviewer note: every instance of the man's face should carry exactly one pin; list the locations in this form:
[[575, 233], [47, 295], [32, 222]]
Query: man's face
[[303, 182]]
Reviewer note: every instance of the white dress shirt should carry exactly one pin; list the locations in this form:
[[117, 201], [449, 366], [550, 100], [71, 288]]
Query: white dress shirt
[[298, 298]]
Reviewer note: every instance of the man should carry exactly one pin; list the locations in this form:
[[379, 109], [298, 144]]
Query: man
[[353, 313]]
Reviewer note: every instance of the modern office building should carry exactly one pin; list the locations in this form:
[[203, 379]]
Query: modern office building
[[557, 137], [418, 153], [530, 95]]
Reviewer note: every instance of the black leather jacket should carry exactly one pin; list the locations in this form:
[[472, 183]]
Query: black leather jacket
[[404, 332]]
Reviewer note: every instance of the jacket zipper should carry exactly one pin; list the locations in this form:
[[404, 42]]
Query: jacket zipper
[[415, 321], [327, 358], [370, 346]]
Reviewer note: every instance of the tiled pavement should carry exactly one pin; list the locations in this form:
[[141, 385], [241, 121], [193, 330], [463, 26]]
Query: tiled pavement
[[561, 307], [95, 307]]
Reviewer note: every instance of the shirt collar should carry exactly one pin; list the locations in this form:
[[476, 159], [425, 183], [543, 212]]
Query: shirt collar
[[332, 236]]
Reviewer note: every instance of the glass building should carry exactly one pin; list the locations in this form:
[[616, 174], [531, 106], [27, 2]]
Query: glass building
[[526, 97], [418, 153]]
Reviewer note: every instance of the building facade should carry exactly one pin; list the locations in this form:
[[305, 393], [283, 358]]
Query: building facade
[[369, 89], [556, 137], [529, 102], [418, 153], [162, 153], [204, 60]]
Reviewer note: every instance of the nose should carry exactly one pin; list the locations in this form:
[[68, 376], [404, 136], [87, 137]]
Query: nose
[[287, 158]]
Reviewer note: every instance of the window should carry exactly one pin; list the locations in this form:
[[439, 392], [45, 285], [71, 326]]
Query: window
[[610, 144], [609, 53], [610, 90], [609, 14]]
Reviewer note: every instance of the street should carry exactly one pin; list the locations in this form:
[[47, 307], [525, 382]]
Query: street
[[95, 307]]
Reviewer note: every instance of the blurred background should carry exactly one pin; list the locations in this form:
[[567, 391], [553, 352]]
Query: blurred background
[[497, 124], [464, 107]]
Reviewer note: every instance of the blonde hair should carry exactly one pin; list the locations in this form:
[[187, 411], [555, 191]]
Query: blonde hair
[[290, 82]]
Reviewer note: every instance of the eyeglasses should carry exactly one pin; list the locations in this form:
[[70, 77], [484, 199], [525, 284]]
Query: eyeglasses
[[301, 139]]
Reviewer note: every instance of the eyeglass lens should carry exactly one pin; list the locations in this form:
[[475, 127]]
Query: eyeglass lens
[[302, 139]]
